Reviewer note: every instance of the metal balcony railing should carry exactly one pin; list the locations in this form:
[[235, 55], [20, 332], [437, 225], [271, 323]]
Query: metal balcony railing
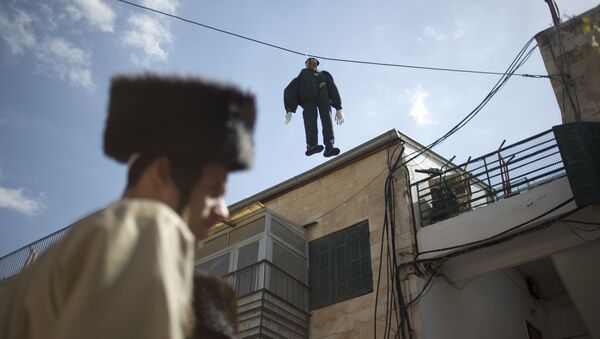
[[508, 171], [265, 275], [16, 261]]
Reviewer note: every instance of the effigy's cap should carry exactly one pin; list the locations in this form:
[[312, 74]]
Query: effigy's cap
[[187, 117], [311, 58]]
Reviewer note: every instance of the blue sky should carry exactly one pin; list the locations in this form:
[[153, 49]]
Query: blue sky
[[57, 57]]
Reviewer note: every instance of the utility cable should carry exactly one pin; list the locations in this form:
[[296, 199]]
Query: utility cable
[[422, 292], [582, 222], [292, 51], [581, 236], [517, 62]]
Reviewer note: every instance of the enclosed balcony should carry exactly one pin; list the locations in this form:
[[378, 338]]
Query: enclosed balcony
[[264, 257]]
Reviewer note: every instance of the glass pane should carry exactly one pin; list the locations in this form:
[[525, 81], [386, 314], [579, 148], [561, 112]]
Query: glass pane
[[218, 265], [212, 246], [247, 255], [246, 231], [295, 241], [289, 262]]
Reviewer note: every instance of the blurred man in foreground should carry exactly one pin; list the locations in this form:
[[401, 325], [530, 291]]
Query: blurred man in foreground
[[127, 270]]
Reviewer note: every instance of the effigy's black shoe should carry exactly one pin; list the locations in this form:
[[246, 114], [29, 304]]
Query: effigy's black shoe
[[331, 151], [314, 149]]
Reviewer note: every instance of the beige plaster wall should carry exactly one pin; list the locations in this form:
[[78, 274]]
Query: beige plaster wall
[[580, 58], [338, 200]]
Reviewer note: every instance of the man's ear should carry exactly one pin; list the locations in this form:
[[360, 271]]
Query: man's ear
[[161, 171]]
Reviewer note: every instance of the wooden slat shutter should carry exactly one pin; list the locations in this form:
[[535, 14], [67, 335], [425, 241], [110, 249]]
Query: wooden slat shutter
[[340, 266], [321, 273], [361, 280]]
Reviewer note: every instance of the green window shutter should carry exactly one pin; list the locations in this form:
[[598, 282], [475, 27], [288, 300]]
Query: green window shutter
[[360, 260], [321, 273], [340, 266]]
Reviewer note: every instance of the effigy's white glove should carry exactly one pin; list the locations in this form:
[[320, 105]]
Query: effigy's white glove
[[288, 118], [339, 117]]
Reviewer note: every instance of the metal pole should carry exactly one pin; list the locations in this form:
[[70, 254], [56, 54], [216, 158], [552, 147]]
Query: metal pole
[[487, 174], [553, 12]]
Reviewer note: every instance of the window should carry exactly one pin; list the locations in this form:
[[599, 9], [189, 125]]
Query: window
[[212, 246], [247, 255], [288, 236], [340, 266], [218, 265], [246, 231], [288, 262]]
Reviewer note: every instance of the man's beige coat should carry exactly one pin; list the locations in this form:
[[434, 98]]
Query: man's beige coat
[[123, 272]]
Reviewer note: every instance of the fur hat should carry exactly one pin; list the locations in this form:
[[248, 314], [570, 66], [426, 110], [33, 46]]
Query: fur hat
[[214, 307], [183, 117]]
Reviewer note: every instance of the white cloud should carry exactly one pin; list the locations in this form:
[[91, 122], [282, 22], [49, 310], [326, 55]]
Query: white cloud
[[418, 110], [59, 57], [459, 32], [150, 35], [53, 55], [97, 13], [51, 20], [16, 199], [432, 33], [17, 33]]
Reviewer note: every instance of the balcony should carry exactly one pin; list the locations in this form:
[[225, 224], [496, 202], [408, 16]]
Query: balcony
[[265, 259], [271, 303], [520, 186], [504, 173]]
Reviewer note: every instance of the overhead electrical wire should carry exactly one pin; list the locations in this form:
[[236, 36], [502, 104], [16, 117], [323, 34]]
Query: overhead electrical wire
[[399, 304], [296, 52], [511, 71], [573, 230], [582, 222], [392, 299], [489, 242], [517, 62], [397, 307], [423, 292]]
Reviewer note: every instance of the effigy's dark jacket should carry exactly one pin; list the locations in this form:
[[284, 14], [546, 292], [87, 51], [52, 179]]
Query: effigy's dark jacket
[[308, 88]]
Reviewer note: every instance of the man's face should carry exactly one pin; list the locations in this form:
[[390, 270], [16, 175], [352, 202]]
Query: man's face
[[311, 64], [206, 205]]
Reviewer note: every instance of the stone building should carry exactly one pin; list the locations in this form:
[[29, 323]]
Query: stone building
[[571, 53], [481, 248], [321, 233]]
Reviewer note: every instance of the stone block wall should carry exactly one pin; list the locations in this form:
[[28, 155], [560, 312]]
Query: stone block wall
[[339, 200]]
